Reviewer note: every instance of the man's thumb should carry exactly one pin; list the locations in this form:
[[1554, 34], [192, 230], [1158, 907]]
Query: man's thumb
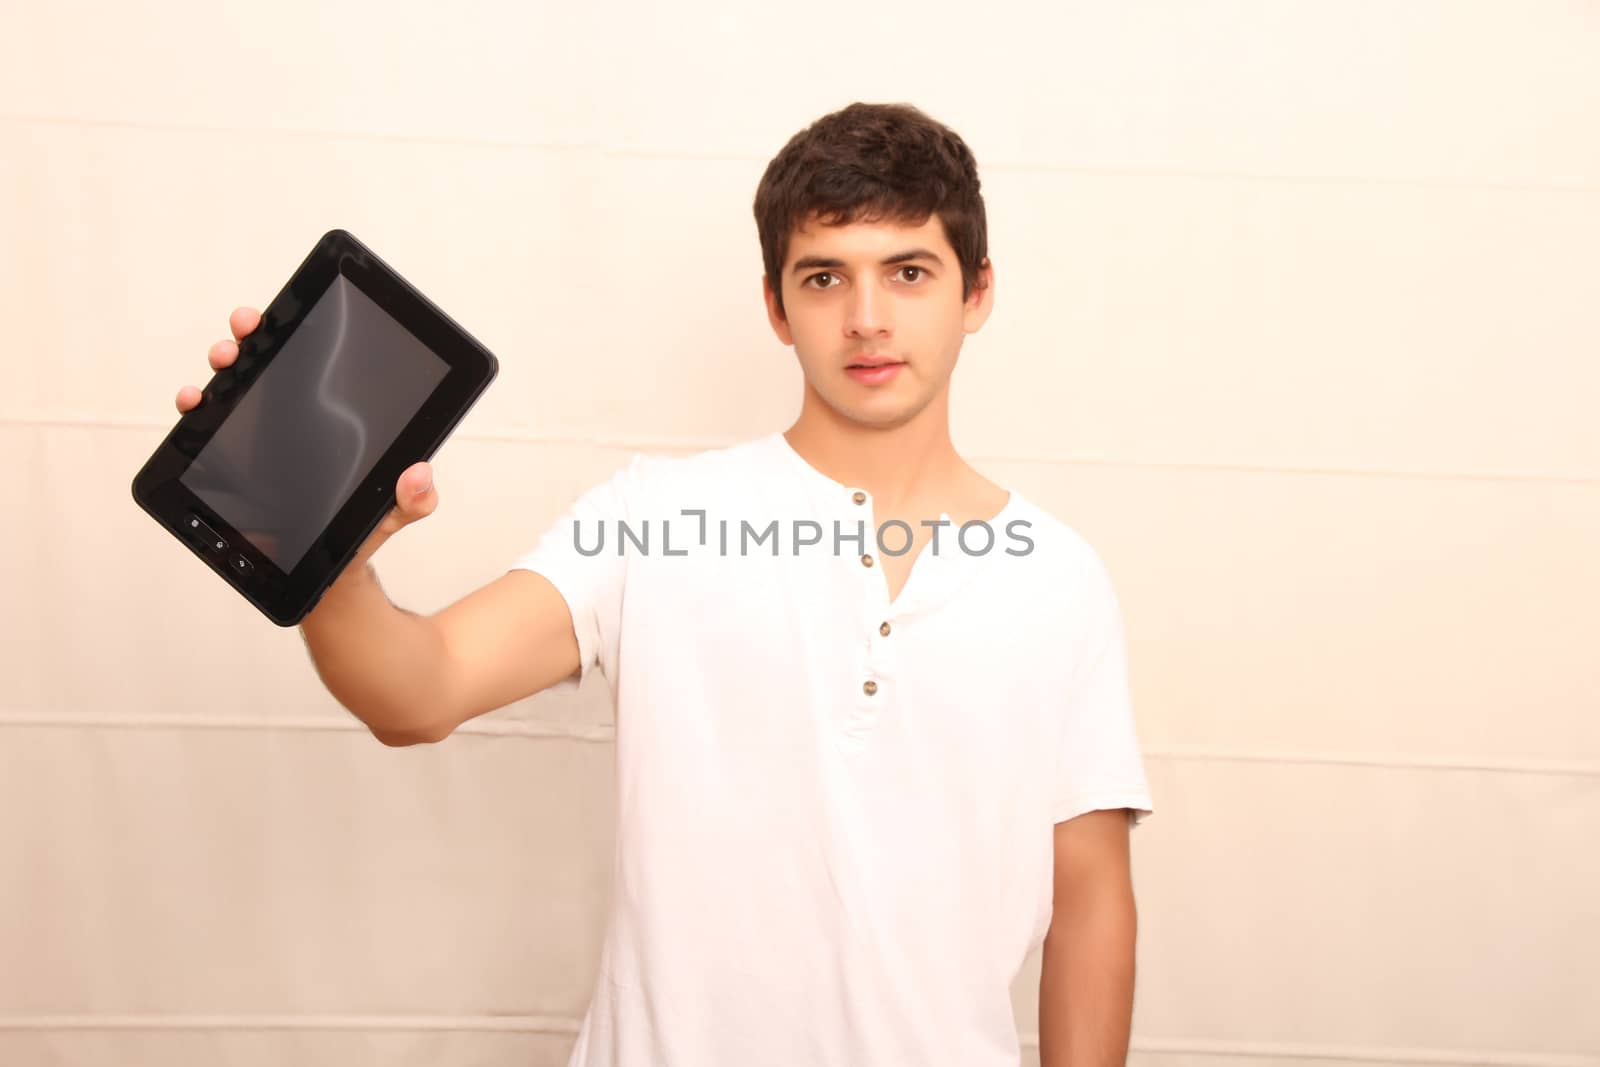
[[414, 495]]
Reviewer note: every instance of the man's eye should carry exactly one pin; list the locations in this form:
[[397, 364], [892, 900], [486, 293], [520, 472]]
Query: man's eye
[[915, 273], [821, 274]]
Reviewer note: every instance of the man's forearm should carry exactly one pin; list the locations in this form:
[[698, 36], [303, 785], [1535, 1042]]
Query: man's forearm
[[387, 666], [1086, 985]]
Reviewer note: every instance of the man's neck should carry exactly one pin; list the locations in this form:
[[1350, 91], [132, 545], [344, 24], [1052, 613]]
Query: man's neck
[[906, 468]]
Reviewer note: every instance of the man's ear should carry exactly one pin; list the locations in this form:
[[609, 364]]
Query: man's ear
[[980, 301], [780, 325]]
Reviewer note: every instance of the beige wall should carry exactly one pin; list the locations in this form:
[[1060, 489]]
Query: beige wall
[[1296, 322]]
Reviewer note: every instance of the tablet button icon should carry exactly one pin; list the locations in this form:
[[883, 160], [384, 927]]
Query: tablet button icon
[[205, 535], [239, 565]]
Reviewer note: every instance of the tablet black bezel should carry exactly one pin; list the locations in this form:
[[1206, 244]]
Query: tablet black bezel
[[283, 597]]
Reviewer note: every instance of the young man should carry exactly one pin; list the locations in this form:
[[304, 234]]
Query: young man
[[873, 734]]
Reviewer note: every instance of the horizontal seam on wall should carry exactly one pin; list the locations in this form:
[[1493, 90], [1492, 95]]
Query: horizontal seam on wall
[[568, 1026], [1359, 1054], [620, 444], [995, 165], [1498, 765], [305, 723], [606, 732], [551, 1024]]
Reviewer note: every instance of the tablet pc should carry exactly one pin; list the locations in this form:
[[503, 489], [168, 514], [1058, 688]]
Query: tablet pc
[[277, 477]]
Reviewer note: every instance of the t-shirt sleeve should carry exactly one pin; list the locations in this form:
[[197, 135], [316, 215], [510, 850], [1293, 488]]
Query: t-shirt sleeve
[[579, 556], [1099, 764]]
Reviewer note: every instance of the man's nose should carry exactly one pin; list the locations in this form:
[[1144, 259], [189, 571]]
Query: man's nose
[[868, 313]]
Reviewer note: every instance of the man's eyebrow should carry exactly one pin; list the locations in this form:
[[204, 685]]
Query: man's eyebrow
[[825, 263]]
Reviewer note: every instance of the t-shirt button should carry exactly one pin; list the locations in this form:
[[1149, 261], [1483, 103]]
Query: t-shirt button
[[866, 561], [859, 497], [884, 629], [869, 687]]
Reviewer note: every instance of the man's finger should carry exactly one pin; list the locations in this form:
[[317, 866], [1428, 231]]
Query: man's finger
[[222, 354], [414, 481], [243, 321]]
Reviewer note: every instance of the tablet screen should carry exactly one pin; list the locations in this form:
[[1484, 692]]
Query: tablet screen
[[313, 426]]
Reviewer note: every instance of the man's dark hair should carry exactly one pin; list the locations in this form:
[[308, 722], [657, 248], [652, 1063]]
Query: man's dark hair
[[873, 163]]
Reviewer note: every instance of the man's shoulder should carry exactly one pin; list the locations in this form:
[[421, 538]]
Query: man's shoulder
[[669, 476], [1053, 542]]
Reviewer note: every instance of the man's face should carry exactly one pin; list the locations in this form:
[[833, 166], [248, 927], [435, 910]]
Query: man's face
[[866, 293]]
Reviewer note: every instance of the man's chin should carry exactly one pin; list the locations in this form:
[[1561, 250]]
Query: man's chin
[[884, 415]]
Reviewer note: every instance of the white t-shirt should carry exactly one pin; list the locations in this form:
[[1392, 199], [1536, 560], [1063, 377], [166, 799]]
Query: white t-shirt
[[834, 842]]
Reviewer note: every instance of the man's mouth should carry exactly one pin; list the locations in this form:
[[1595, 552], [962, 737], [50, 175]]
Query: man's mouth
[[874, 373]]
